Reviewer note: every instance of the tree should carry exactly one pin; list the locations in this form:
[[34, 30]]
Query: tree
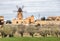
[[31, 30], [8, 22], [44, 31], [55, 32], [7, 30], [21, 29], [43, 18]]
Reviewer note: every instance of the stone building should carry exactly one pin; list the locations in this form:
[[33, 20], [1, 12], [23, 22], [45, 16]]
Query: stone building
[[20, 20], [51, 20], [29, 20]]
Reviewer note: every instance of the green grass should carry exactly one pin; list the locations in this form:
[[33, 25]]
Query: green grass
[[30, 39]]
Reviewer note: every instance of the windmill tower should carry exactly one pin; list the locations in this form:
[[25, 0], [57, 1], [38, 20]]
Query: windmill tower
[[19, 15]]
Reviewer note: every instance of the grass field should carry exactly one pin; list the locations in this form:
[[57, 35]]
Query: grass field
[[30, 39]]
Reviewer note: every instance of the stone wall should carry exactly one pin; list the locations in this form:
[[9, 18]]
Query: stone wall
[[23, 21], [47, 22]]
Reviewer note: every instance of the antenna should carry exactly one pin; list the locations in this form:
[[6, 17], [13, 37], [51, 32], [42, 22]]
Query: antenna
[[38, 16], [17, 6]]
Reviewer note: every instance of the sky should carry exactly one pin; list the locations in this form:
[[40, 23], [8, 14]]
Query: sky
[[31, 7]]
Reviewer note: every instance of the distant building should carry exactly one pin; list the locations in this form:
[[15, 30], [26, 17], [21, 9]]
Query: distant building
[[49, 20], [20, 20], [29, 20], [54, 18]]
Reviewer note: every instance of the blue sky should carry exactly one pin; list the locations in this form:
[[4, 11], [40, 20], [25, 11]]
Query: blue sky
[[31, 7]]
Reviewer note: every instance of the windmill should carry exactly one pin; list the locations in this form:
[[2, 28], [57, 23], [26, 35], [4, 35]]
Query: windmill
[[20, 11]]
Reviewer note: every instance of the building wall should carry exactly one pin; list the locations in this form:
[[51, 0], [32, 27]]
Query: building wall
[[29, 20], [16, 21], [20, 20], [19, 16], [47, 22], [55, 18]]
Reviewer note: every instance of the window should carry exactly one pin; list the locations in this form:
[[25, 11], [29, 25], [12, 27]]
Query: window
[[17, 22]]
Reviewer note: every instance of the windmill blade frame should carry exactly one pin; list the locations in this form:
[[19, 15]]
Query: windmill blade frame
[[22, 7], [17, 6]]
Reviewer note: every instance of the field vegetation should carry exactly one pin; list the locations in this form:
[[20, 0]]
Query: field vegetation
[[9, 30], [30, 39]]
